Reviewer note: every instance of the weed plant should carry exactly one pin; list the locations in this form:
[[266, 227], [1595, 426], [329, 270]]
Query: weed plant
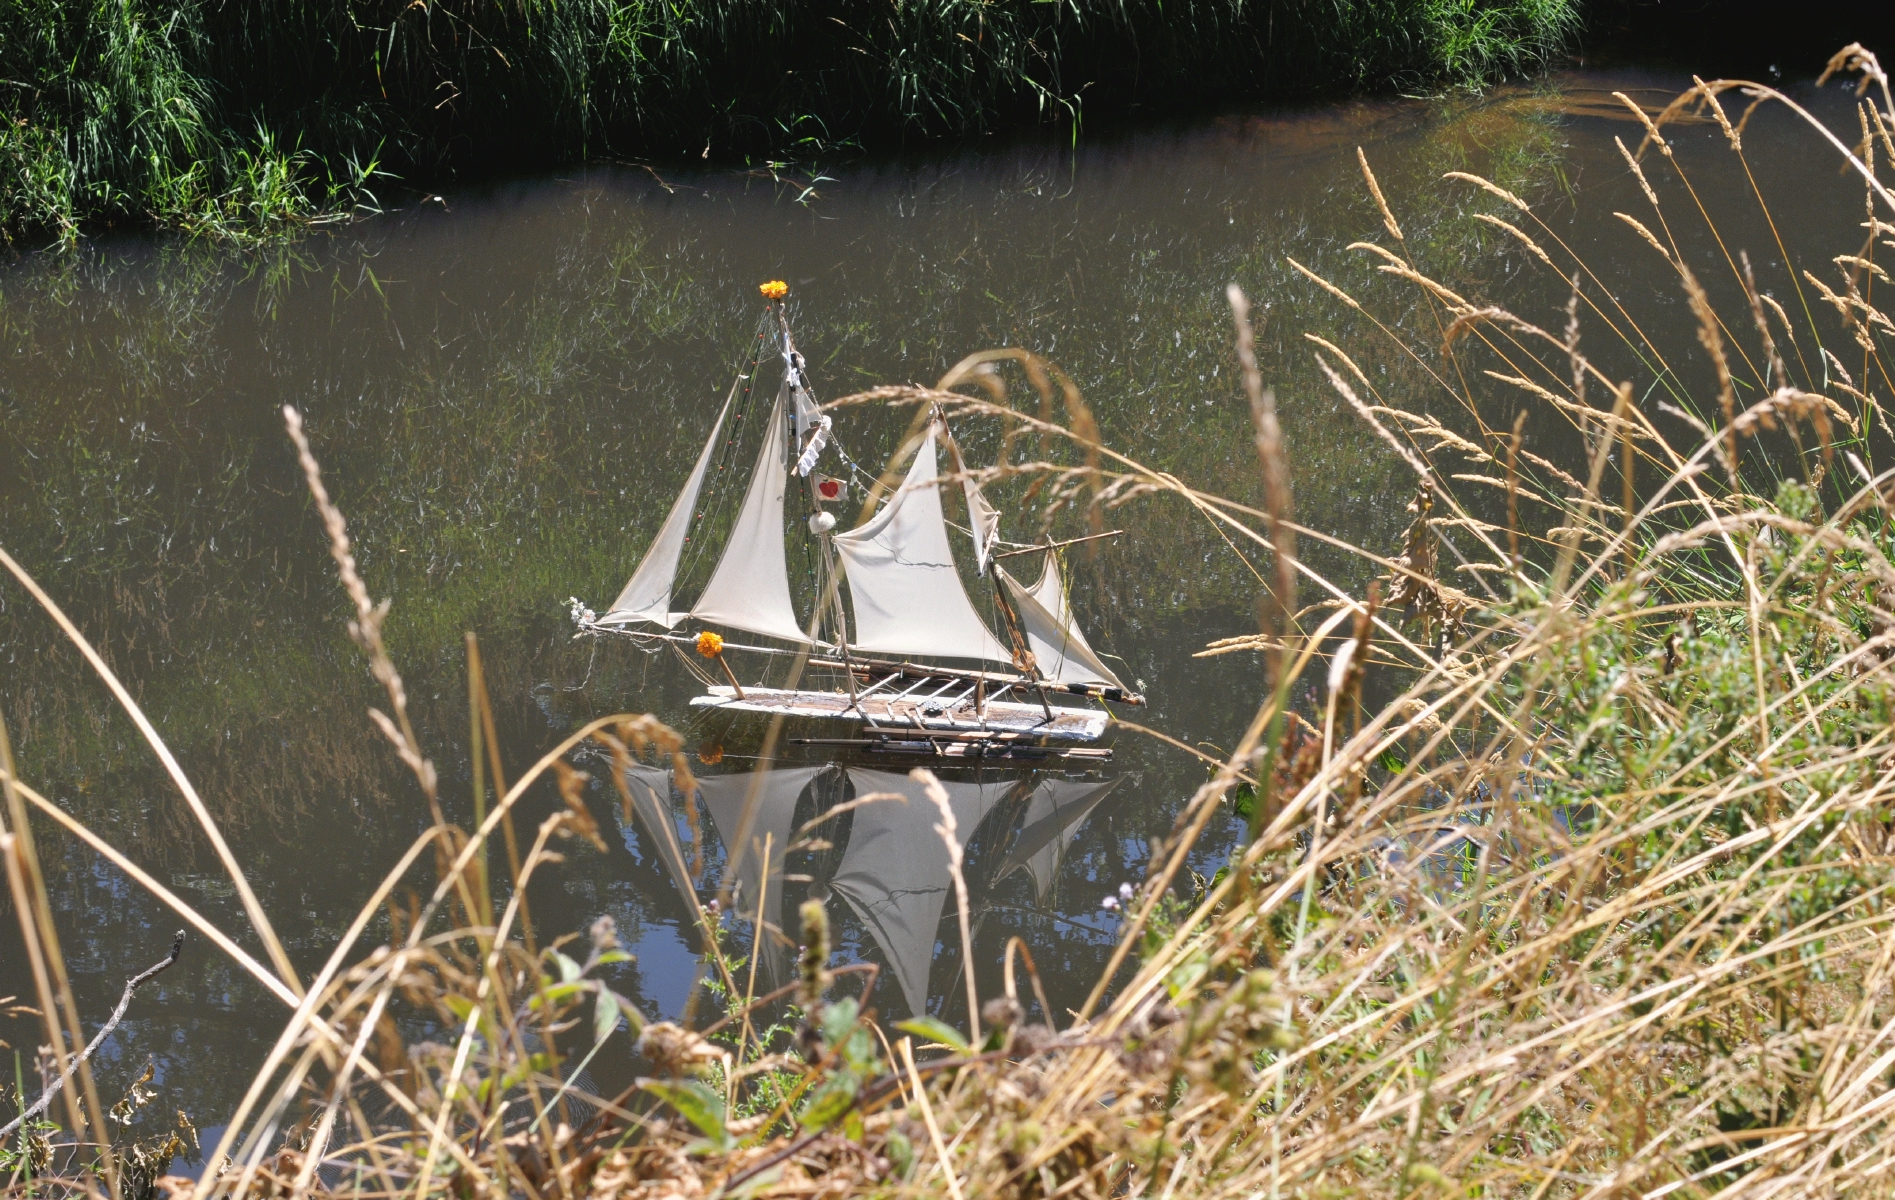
[[244, 120], [1595, 904]]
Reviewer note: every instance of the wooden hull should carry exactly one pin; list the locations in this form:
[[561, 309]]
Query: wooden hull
[[895, 713]]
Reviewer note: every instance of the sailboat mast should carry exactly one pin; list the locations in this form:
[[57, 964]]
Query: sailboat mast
[[1023, 658], [821, 523]]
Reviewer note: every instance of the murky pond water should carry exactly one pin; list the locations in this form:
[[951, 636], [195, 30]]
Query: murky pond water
[[506, 387]]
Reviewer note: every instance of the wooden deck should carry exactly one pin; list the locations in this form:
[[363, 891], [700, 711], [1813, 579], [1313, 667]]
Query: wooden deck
[[909, 713]]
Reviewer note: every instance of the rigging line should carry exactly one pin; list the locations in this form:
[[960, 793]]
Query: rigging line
[[703, 677]]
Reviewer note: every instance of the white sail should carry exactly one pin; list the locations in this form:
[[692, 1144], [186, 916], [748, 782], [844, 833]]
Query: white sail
[[983, 517], [895, 873], [772, 822], [647, 597], [1052, 817], [651, 801], [750, 589], [906, 591], [1059, 648]]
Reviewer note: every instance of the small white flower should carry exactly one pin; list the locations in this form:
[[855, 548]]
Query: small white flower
[[1110, 903], [1125, 891]]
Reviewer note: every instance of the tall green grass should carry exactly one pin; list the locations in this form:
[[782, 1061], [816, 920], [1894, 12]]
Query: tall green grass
[[240, 118]]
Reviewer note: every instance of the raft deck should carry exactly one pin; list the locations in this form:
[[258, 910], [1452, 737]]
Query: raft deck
[[901, 713]]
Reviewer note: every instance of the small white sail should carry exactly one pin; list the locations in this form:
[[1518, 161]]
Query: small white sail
[[771, 822], [1058, 646], [1052, 817], [895, 872], [750, 589], [647, 597], [907, 593], [982, 516]]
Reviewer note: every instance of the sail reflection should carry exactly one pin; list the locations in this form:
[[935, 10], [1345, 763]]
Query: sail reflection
[[884, 857]]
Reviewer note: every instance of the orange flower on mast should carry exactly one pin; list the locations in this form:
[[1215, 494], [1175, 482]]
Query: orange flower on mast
[[776, 289], [712, 646]]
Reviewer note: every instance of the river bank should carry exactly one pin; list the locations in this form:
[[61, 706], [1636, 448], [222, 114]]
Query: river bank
[[241, 121]]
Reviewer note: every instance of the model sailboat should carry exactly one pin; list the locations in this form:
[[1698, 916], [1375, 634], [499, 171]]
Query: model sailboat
[[919, 665]]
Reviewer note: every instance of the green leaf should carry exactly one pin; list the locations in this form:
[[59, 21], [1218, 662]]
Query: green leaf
[[1243, 801], [860, 1052], [535, 1064], [556, 993], [697, 1104], [901, 1152], [461, 1007], [830, 1101], [933, 1029], [613, 956], [605, 1015], [837, 1020], [568, 969], [633, 1017], [1187, 973]]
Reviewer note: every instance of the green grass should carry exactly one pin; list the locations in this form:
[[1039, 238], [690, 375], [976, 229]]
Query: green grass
[[242, 120]]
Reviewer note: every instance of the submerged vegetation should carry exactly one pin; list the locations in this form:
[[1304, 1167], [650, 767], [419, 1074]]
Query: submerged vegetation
[[239, 120], [1593, 900]]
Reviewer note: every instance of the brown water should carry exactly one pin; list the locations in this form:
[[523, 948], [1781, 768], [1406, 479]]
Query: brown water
[[506, 387]]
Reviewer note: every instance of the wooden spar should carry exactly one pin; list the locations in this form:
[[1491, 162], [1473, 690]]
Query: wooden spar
[[1091, 537]]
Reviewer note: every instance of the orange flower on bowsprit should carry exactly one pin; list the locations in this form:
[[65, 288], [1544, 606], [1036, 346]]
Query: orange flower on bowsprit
[[776, 289], [709, 644]]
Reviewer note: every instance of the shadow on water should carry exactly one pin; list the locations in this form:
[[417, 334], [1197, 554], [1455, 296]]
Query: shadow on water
[[506, 389]]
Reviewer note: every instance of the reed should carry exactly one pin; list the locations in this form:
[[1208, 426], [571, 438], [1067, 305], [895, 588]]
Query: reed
[[1596, 903], [243, 121]]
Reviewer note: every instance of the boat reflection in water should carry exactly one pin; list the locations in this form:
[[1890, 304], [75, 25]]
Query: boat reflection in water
[[883, 857]]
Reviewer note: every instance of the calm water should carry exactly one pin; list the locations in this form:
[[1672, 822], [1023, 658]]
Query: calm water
[[506, 387]]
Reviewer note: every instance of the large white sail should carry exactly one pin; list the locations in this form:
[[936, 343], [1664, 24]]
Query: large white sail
[[1058, 647], [750, 589], [647, 597], [907, 593], [895, 872], [771, 822]]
